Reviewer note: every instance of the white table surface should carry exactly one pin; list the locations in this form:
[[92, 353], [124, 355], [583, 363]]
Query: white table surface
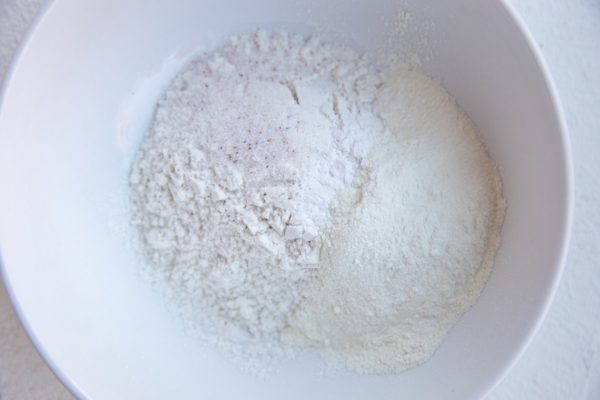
[[563, 361]]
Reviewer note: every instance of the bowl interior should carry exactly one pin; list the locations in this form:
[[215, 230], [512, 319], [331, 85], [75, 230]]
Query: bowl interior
[[77, 105]]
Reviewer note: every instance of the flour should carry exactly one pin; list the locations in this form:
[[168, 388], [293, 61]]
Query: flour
[[404, 262], [231, 190], [289, 194]]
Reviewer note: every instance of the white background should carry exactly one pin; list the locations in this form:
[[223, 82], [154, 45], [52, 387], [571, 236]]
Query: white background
[[563, 362]]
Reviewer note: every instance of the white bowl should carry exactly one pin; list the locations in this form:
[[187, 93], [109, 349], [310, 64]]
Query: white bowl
[[76, 103]]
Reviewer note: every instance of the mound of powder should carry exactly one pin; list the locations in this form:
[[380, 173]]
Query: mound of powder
[[408, 254], [232, 187], [291, 195]]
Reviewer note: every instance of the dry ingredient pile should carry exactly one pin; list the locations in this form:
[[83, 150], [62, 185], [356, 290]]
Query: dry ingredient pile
[[290, 194]]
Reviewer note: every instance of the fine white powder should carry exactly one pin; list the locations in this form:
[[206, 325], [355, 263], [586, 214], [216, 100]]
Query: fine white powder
[[231, 189], [403, 260], [289, 194]]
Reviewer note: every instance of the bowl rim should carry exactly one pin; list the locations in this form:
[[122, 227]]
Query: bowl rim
[[64, 379], [567, 217]]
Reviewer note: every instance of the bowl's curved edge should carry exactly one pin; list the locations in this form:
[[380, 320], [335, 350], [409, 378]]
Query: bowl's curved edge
[[568, 212], [68, 383]]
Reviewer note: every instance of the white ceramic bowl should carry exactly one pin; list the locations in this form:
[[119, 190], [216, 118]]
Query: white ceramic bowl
[[76, 102]]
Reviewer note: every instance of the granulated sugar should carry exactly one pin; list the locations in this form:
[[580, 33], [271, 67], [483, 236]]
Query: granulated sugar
[[289, 194]]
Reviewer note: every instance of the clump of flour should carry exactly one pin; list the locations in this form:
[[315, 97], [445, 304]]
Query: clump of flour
[[289, 194], [232, 187]]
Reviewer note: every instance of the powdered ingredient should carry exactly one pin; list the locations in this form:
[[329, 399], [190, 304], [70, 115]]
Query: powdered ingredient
[[231, 189], [290, 194], [402, 263]]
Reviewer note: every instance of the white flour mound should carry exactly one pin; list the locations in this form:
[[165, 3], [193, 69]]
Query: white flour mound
[[403, 260], [232, 187], [290, 195]]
